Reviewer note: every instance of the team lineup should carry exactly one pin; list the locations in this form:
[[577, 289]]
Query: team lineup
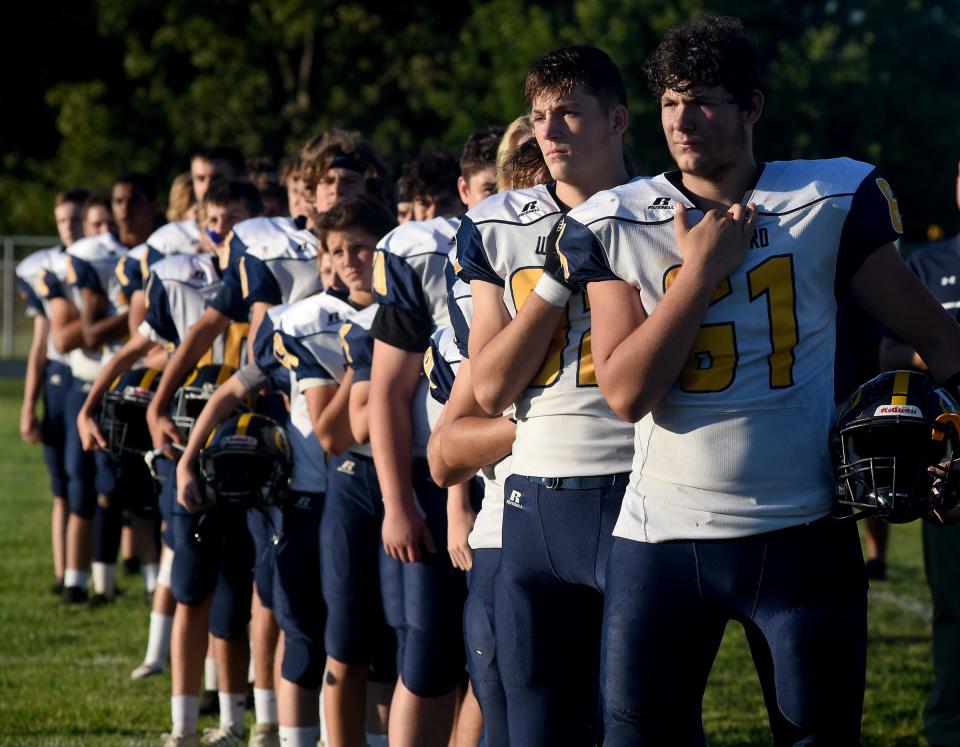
[[493, 457]]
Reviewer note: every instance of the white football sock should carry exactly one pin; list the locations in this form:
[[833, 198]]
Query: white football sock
[[232, 706], [104, 575], [150, 572], [73, 577], [165, 575], [210, 680], [298, 736], [186, 709], [158, 639], [265, 705]]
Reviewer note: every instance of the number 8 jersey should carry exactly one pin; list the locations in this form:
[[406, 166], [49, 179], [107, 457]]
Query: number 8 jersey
[[564, 426], [739, 445]]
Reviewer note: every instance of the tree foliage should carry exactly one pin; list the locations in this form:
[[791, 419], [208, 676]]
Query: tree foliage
[[138, 84]]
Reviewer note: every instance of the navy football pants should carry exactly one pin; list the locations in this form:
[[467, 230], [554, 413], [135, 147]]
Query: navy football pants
[[549, 606], [800, 594]]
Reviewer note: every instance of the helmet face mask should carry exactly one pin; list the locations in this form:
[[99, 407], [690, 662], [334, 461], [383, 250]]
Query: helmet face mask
[[887, 444], [246, 463], [192, 397], [123, 413]]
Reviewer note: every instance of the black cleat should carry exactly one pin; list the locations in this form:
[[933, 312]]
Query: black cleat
[[99, 600], [209, 703], [56, 588], [131, 566], [74, 595], [876, 570]]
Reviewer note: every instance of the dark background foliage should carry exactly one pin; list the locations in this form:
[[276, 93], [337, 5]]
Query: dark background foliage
[[93, 87]]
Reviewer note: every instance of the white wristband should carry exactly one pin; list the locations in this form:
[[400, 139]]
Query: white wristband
[[552, 291]]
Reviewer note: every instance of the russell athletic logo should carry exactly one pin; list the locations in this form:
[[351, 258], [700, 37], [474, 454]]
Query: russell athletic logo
[[347, 466], [530, 207], [514, 499], [661, 203]]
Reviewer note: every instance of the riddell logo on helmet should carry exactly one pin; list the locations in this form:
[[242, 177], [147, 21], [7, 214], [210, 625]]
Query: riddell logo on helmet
[[239, 441], [909, 410]]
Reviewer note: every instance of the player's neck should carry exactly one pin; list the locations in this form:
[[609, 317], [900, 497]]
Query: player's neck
[[361, 298], [612, 174], [723, 190]]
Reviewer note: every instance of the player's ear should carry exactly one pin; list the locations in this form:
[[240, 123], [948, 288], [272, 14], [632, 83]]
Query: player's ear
[[619, 119], [755, 108], [464, 189]]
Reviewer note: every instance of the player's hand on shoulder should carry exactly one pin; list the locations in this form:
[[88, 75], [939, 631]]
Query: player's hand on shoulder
[[406, 536], [718, 243]]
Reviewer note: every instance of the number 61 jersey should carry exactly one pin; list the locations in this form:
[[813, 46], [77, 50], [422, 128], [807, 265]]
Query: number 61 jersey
[[739, 445]]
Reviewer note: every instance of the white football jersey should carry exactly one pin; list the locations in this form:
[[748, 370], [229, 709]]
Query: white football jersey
[[279, 261], [90, 264], [178, 237], [739, 445], [564, 426], [409, 275], [178, 290], [440, 364], [30, 274], [306, 341]]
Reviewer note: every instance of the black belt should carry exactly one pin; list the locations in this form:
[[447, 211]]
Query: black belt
[[591, 482]]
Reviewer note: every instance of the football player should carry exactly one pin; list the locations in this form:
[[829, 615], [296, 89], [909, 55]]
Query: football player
[[48, 373], [571, 457], [410, 285], [214, 163], [133, 206], [466, 439], [713, 293], [937, 267], [95, 514]]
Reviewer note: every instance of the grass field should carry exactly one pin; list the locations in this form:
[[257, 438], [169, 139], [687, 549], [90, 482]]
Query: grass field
[[64, 672]]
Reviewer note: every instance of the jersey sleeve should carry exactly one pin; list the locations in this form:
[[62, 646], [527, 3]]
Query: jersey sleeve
[[582, 254], [257, 283], [158, 325], [472, 261], [873, 221], [82, 274], [229, 298], [403, 318], [49, 286], [357, 348], [439, 373], [277, 377], [302, 362], [459, 309], [30, 297], [129, 276]]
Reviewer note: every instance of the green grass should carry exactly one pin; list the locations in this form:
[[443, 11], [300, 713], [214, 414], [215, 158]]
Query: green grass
[[64, 672]]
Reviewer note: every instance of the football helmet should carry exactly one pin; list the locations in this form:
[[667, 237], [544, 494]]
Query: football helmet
[[889, 435], [123, 415], [190, 398], [246, 463]]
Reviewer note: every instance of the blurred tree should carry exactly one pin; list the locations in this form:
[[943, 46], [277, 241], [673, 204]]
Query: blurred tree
[[139, 83]]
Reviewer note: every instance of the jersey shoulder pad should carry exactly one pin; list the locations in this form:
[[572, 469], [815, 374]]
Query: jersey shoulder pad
[[101, 248], [35, 264], [314, 315], [191, 269], [641, 200], [275, 238], [414, 238], [790, 185], [516, 207], [178, 237]]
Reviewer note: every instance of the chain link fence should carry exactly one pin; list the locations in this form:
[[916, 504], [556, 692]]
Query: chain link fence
[[16, 329]]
